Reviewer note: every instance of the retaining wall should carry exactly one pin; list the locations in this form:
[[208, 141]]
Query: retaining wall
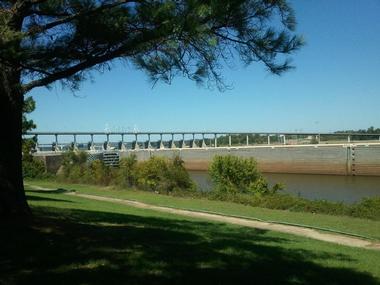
[[347, 159]]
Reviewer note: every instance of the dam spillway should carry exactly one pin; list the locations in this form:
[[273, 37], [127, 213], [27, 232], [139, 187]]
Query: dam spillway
[[302, 153], [352, 159], [332, 159]]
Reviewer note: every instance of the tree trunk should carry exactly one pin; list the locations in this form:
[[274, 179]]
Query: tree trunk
[[12, 196]]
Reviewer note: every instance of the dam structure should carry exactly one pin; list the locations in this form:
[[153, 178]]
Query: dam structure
[[303, 153]]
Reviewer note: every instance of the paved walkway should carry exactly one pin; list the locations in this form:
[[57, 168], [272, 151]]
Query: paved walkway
[[295, 230]]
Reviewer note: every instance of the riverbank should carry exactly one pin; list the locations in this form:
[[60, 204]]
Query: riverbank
[[351, 225]]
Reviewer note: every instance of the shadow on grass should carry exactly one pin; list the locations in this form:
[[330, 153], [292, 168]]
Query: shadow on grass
[[39, 198], [68, 246], [53, 191], [30, 197]]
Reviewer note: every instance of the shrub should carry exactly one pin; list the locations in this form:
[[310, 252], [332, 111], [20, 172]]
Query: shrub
[[33, 168], [177, 176], [150, 173], [163, 175], [126, 174], [98, 173], [297, 204], [232, 174], [367, 208], [74, 166]]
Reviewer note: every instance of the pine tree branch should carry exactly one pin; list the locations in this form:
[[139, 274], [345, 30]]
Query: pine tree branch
[[128, 49], [39, 29], [71, 70]]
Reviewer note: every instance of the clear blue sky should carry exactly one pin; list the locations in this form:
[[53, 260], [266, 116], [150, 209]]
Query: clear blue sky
[[335, 86]]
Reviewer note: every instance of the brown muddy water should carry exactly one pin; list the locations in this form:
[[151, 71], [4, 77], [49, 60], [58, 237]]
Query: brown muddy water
[[336, 188]]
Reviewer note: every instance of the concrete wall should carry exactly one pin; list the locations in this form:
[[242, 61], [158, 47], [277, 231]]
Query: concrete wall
[[366, 160], [307, 159], [52, 161]]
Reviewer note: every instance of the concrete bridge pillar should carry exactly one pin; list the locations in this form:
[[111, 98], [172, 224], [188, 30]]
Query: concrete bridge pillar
[[183, 142], [215, 140], [90, 145], [172, 143], [162, 146], [122, 145], [229, 141], [106, 145], [56, 146], [148, 144], [36, 147], [136, 143], [203, 145], [74, 145], [193, 143], [284, 139], [247, 140], [268, 139]]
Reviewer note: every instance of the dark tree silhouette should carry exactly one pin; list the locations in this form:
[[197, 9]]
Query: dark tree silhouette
[[44, 41]]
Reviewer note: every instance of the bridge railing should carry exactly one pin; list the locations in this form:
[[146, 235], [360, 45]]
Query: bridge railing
[[102, 141]]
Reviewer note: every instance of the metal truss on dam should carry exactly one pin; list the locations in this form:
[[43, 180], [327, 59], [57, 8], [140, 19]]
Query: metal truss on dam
[[308, 153]]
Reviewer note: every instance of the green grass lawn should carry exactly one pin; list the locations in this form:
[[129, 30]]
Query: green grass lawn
[[363, 227], [72, 240]]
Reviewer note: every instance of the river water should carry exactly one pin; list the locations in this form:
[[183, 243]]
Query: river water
[[347, 189]]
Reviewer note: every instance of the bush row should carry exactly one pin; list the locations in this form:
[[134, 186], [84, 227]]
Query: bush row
[[368, 208], [156, 174]]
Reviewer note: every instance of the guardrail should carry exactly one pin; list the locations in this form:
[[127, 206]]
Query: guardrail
[[90, 141]]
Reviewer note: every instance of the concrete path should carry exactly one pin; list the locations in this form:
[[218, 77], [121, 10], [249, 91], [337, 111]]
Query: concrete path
[[289, 229], [295, 230]]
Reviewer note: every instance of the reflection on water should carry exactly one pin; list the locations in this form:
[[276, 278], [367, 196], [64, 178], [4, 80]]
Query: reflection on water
[[346, 189]]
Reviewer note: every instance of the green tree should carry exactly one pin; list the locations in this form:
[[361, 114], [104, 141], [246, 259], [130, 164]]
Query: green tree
[[45, 41], [28, 107]]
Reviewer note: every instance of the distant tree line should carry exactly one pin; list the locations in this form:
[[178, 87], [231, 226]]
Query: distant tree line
[[370, 130]]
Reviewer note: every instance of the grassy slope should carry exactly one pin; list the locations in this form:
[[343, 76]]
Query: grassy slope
[[74, 240], [352, 225]]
